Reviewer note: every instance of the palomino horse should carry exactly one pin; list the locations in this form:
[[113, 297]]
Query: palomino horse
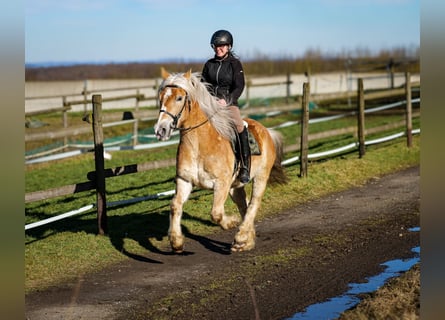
[[205, 156]]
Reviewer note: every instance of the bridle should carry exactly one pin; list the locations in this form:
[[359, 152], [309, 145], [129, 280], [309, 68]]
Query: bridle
[[179, 114]]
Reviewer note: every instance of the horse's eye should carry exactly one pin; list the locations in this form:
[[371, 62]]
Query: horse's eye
[[179, 98]]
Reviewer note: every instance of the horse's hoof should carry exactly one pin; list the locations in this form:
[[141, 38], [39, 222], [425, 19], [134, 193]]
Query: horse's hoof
[[177, 243], [239, 247], [230, 224], [178, 250]]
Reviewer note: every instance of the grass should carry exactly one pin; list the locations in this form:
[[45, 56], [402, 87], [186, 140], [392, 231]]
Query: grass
[[398, 299], [66, 249]]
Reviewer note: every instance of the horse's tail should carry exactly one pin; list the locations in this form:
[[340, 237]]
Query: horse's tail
[[277, 174]]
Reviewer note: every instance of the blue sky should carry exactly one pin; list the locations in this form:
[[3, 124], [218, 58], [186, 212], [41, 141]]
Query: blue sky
[[147, 30]]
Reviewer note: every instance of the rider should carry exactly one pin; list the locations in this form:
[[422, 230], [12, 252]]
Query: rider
[[225, 75]]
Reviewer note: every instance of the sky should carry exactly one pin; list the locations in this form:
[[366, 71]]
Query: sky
[[119, 31]]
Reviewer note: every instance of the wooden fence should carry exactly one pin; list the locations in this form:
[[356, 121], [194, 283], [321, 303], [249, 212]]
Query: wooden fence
[[150, 114], [138, 115], [98, 177]]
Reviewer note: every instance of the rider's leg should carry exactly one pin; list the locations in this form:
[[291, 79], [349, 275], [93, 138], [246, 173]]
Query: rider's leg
[[243, 141]]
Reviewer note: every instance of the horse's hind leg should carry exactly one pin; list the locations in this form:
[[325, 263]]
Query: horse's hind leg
[[245, 237], [183, 190], [238, 196]]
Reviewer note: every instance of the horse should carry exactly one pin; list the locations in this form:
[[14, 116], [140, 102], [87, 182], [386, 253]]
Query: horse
[[205, 156]]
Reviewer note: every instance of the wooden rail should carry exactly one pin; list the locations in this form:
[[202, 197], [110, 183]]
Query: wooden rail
[[146, 115]]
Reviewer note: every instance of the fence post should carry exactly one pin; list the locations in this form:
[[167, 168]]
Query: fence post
[[135, 131], [348, 80], [85, 96], [65, 119], [409, 124], [361, 117], [304, 130], [288, 87], [101, 202], [391, 72], [136, 122]]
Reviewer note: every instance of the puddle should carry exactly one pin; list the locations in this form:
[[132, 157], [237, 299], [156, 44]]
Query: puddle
[[334, 307]]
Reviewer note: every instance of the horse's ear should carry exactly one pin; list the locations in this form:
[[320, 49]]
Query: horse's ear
[[188, 74], [164, 73]]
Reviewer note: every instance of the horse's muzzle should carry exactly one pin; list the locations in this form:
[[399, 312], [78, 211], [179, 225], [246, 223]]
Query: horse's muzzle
[[163, 131]]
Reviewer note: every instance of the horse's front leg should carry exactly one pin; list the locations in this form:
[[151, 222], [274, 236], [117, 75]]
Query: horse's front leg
[[183, 190], [220, 193]]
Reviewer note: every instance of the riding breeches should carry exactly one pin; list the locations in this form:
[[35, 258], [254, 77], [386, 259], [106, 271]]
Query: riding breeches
[[236, 115]]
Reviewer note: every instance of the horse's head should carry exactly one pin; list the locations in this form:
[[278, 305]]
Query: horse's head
[[173, 99]]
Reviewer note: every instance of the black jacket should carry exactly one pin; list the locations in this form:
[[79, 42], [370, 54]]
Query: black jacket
[[226, 78]]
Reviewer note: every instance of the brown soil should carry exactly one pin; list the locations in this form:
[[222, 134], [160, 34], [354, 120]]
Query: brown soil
[[303, 256]]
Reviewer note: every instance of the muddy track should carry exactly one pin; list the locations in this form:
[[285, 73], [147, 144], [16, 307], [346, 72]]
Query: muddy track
[[303, 256]]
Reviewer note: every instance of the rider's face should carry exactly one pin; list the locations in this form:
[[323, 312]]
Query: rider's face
[[221, 51]]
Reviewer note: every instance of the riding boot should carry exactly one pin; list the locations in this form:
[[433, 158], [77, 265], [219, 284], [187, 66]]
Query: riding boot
[[244, 174]]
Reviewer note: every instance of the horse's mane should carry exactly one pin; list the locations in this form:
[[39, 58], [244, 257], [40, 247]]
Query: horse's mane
[[219, 116]]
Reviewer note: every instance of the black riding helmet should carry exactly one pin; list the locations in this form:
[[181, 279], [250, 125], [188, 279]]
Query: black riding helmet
[[221, 37]]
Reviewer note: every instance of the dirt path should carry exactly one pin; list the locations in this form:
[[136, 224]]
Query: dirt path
[[303, 256]]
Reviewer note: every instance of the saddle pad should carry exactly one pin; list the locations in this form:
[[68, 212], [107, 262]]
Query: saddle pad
[[253, 144]]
